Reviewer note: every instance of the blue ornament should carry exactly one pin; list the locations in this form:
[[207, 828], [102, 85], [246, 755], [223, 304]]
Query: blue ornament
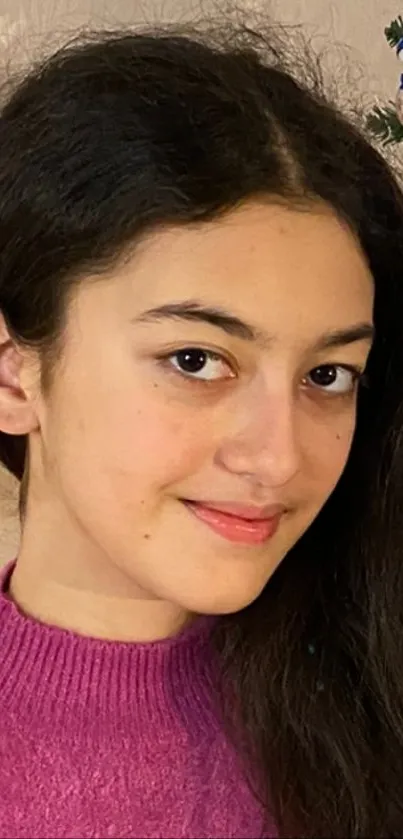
[[399, 100], [399, 49]]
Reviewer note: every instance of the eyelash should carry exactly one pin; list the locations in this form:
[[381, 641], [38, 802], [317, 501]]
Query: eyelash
[[166, 362], [358, 375]]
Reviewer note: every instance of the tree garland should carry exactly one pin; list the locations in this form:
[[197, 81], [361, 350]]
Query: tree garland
[[386, 123]]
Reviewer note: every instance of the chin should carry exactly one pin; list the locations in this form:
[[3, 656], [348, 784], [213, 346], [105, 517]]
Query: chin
[[225, 600]]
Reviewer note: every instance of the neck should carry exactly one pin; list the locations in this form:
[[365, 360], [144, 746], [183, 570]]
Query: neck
[[95, 600]]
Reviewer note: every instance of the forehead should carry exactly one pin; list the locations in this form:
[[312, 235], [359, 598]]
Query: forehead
[[298, 272], [258, 259]]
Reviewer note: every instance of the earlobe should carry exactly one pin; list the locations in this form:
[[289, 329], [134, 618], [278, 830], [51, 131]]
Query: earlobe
[[17, 414]]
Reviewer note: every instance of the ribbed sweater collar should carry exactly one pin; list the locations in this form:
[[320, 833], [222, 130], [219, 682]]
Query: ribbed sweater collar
[[53, 674]]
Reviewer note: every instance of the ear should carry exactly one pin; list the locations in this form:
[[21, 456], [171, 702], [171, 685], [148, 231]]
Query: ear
[[17, 413]]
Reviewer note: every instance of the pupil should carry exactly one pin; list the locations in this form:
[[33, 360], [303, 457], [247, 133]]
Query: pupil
[[324, 376], [192, 361]]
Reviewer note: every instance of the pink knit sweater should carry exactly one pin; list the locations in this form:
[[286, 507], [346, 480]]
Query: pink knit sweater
[[113, 739]]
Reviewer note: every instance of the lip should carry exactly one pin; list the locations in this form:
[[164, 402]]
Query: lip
[[238, 522], [243, 511]]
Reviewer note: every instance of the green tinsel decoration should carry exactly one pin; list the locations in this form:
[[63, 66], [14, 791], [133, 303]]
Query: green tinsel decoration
[[383, 123]]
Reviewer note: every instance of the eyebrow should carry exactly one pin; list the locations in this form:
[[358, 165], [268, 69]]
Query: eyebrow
[[195, 311]]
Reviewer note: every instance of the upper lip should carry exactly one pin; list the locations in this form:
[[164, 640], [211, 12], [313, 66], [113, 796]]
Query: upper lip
[[249, 512]]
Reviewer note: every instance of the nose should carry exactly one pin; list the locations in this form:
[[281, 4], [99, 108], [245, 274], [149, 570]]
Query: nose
[[263, 442]]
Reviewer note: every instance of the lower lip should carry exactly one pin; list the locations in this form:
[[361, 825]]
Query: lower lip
[[235, 529]]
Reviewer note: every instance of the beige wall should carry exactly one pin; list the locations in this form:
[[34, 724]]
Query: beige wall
[[356, 25]]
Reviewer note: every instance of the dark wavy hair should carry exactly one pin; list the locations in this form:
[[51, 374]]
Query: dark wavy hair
[[122, 132]]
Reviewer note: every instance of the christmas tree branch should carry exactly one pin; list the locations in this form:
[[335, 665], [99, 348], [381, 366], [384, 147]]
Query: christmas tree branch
[[384, 124], [394, 32]]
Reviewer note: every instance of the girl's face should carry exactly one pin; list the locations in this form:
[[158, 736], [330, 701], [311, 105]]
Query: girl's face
[[218, 365]]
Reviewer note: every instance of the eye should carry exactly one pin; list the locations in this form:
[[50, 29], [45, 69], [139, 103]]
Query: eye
[[334, 378], [197, 363]]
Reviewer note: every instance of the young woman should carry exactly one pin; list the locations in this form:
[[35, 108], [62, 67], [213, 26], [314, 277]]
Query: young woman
[[201, 389]]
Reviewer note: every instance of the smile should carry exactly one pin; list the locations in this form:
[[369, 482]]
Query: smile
[[236, 527]]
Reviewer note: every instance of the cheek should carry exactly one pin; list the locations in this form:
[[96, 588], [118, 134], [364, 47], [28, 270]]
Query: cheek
[[163, 445], [134, 440], [328, 451]]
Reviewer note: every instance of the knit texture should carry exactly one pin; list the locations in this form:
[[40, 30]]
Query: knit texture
[[113, 739]]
